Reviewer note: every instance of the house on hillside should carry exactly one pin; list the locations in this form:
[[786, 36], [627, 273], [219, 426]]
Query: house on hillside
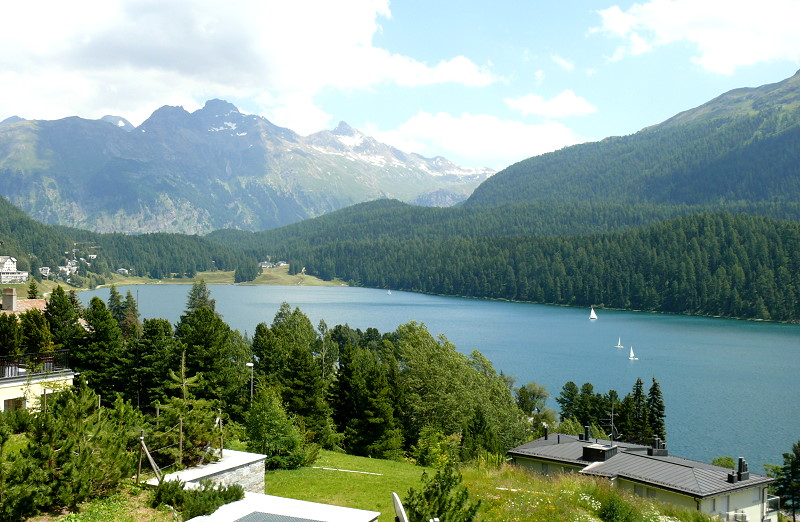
[[9, 273], [650, 471], [26, 378]]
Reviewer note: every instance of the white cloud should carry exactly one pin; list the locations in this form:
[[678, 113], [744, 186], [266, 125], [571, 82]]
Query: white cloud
[[563, 105], [565, 64], [727, 34], [82, 58], [476, 139]]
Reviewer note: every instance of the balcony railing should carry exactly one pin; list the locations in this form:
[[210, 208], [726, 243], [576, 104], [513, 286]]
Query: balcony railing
[[773, 504], [30, 364]]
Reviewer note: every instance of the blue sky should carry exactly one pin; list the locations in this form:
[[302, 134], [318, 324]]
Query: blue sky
[[483, 84]]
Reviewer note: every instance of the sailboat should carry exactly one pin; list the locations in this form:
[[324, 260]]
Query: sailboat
[[388, 292], [619, 343], [592, 315], [632, 357]]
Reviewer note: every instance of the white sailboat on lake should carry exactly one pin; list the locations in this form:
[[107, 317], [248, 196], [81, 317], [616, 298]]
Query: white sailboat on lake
[[592, 315], [619, 343], [632, 357]]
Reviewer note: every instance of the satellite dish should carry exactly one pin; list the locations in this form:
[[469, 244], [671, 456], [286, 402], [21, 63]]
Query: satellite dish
[[400, 513]]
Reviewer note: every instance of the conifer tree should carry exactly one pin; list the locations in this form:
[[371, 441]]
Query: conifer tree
[[364, 411], [115, 305], [10, 335], [183, 416], [33, 289], [62, 319], [98, 356], [656, 411], [787, 480], [200, 297], [441, 497], [74, 451], [567, 399], [36, 336]]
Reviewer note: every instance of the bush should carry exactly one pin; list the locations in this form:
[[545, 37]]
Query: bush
[[195, 502], [19, 420]]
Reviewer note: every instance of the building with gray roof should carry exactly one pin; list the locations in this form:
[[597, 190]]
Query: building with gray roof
[[651, 472]]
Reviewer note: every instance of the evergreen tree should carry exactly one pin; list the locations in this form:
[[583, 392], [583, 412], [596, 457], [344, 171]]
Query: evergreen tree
[[98, 356], [656, 411], [62, 319], [304, 393], [154, 354], [200, 297], [363, 406], [115, 305], [568, 400], [787, 480], [634, 423], [74, 451], [187, 418], [33, 289], [10, 335], [220, 354], [36, 336], [441, 497], [130, 325]]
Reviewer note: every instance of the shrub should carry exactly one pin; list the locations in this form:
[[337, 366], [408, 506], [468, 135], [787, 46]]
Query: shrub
[[197, 501]]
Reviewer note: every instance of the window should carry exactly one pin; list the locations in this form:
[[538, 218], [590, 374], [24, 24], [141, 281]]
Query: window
[[756, 496], [651, 493], [14, 404], [723, 504], [713, 505], [544, 467], [638, 490]]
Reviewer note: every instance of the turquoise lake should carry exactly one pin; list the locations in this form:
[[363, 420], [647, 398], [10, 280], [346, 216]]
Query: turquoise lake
[[730, 387]]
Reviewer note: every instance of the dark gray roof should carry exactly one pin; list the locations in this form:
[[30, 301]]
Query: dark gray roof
[[690, 477]]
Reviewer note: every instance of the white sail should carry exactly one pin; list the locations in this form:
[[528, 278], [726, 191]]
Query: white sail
[[619, 343], [592, 315], [633, 357]]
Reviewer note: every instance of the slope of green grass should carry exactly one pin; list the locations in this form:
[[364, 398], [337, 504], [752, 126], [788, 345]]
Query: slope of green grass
[[328, 483], [507, 493]]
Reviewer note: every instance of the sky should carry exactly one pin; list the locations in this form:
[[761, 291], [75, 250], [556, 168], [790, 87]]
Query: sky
[[484, 84]]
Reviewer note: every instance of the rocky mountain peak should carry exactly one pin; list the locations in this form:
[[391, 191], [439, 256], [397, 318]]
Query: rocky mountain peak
[[343, 129], [219, 107]]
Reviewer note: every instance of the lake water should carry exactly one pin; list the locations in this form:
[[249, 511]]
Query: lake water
[[730, 387]]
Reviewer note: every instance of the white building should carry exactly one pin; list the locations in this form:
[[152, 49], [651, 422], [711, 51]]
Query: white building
[[9, 272]]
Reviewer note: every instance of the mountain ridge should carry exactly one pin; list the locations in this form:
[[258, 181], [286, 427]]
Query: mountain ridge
[[212, 168]]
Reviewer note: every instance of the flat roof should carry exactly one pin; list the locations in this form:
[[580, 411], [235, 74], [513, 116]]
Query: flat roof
[[257, 507]]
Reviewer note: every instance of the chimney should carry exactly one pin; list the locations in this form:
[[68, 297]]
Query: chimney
[[586, 433], [546, 432], [9, 299], [741, 472], [658, 448]]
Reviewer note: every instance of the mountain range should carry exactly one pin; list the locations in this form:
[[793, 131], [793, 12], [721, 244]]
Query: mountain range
[[210, 169]]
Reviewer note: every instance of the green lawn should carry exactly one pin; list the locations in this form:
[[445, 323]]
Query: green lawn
[[342, 488]]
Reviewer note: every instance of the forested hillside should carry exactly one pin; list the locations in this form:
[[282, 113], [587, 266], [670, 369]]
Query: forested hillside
[[742, 146], [733, 265], [155, 255]]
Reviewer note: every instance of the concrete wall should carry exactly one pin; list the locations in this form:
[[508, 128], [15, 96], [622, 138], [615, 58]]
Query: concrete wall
[[235, 467]]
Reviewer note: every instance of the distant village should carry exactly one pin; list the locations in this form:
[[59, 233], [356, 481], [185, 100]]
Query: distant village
[[10, 275]]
